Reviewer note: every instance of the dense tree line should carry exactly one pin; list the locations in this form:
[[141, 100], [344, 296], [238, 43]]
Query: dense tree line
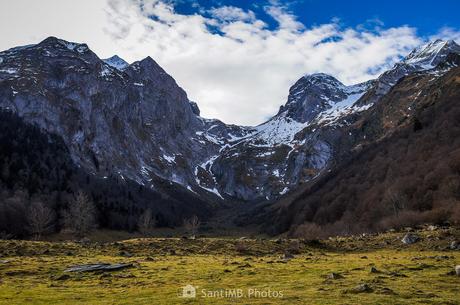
[[42, 191]]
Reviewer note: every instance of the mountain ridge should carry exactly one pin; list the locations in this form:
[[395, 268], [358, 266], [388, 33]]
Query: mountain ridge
[[134, 121]]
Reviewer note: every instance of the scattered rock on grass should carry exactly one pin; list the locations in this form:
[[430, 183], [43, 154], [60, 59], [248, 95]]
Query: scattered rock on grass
[[410, 238], [287, 256], [334, 276], [247, 265], [386, 290], [374, 270], [97, 267], [362, 288], [63, 277], [455, 245], [125, 253], [85, 241]]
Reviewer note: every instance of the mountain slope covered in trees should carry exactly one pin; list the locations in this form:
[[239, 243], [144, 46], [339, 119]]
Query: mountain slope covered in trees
[[399, 165]]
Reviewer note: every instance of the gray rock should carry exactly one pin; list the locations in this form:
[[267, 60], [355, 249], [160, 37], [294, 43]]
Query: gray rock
[[374, 270], [334, 276], [98, 267], [84, 241], [457, 270], [125, 254], [455, 245], [287, 256], [362, 288], [62, 277], [410, 238]]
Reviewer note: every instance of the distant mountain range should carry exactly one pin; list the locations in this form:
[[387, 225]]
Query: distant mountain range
[[132, 124]]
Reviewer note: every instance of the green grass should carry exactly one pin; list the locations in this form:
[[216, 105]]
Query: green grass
[[418, 274]]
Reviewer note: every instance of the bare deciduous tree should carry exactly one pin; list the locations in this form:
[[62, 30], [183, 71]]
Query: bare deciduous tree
[[40, 219], [192, 225], [396, 200], [309, 231], [80, 218], [146, 223]]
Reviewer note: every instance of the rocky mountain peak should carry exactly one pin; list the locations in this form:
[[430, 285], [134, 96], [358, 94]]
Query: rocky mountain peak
[[431, 54], [315, 93], [63, 45], [424, 58], [116, 62], [321, 80]]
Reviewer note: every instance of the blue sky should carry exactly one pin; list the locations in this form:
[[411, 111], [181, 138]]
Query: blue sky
[[427, 16], [237, 59]]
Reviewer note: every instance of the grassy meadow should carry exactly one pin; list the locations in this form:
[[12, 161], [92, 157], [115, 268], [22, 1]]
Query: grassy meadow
[[372, 269]]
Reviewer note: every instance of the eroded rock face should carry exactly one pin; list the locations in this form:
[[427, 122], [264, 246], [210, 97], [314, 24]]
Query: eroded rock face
[[133, 122]]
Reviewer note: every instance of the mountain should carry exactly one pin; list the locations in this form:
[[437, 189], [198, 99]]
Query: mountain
[[137, 123], [133, 123], [425, 57], [287, 149], [395, 165], [116, 62]]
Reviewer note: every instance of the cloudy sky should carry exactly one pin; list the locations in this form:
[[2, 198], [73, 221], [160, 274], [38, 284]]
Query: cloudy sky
[[237, 59]]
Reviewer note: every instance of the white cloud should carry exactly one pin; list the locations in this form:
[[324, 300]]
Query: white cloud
[[447, 33], [227, 59], [232, 13]]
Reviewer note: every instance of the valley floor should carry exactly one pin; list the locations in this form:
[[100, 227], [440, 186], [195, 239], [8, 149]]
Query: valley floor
[[376, 269]]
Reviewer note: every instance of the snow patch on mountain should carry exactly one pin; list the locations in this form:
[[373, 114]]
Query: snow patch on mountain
[[429, 55], [116, 62], [341, 109], [9, 70], [279, 130]]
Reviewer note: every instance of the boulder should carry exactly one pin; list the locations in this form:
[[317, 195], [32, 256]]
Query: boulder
[[374, 270], [125, 253], [362, 288], [334, 276], [457, 270], [85, 241], [455, 245], [410, 238], [97, 267], [287, 256]]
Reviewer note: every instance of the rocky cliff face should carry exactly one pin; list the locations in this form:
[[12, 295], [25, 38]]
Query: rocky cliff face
[[133, 121], [130, 121]]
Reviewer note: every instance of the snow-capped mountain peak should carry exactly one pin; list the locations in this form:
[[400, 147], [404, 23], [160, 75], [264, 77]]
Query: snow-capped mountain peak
[[314, 93], [429, 55], [116, 62]]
